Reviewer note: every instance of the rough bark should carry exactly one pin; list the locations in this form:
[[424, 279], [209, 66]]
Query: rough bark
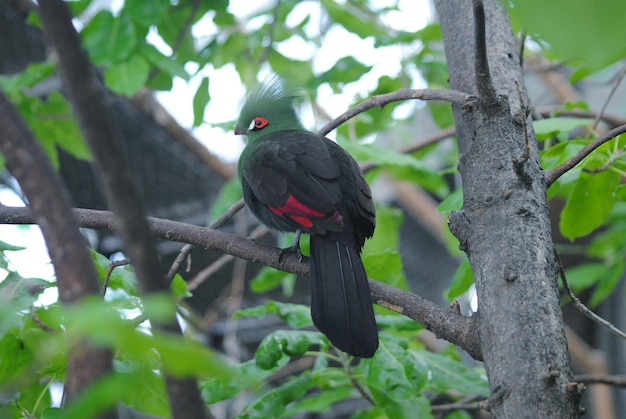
[[504, 224]]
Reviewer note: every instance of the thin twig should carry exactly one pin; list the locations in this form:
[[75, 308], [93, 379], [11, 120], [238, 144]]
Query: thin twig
[[582, 307], [424, 142], [446, 95], [612, 380], [202, 276], [618, 81], [114, 264], [186, 250], [552, 175]]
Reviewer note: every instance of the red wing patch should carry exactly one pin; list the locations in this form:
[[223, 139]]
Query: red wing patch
[[300, 213]]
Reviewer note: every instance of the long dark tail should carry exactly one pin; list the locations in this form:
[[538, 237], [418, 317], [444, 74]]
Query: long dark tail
[[341, 305]]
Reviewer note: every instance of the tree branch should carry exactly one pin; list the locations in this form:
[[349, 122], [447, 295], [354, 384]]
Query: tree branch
[[446, 95], [582, 307], [612, 380], [50, 204], [552, 175], [89, 102], [446, 323]]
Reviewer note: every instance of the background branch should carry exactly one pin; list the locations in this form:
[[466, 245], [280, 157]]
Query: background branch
[[89, 99], [50, 205]]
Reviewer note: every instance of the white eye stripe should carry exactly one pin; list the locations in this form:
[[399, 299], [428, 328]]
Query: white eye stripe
[[251, 127]]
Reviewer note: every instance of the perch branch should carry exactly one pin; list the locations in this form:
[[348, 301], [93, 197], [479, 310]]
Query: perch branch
[[446, 323]]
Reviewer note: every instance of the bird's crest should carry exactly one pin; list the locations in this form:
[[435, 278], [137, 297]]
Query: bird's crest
[[268, 108]]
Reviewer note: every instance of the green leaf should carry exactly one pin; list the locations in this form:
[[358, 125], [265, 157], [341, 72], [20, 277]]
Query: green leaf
[[229, 194], [607, 283], [4, 246], [560, 21], [396, 380], [583, 276], [589, 204], [54, 125], [560, 152], [289, 343], [169, 65], [127, 77], [462, 281], [452, 202], [380, 256], [179, 287], [334, 384], [146, 13], [274, 403], [121, 277], [295, 315], [143, 390], [200, 100], [403, 166], [344, 71], [451, 375], [268, 279], [15, 356], [109, 40], [28, 78], [551, 127], [246, 375]]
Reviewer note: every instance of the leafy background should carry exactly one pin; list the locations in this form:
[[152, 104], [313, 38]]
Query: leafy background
[[160, 44]]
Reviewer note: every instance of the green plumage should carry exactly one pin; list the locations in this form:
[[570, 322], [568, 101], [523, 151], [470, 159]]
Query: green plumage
[[295, 180]]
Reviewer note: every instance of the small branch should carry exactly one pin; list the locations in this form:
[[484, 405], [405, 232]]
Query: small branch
[[612, 380], [110, 268], [484, 84], [619, 79], [424, 142], [612, 120], [583, 308], [470, 403], [552, 175], [446, 95], [186, 250], [445, 323]]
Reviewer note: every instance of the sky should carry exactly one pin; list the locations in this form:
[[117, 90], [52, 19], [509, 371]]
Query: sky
[[227, 93]]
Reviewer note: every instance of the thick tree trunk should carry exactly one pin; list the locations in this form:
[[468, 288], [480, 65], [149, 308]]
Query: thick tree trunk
[[504, 225]]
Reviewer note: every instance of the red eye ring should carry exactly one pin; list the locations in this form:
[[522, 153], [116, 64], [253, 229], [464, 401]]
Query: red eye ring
[[259, 123]]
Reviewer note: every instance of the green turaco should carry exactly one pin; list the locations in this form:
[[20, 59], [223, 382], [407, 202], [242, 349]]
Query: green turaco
[[296, 180]]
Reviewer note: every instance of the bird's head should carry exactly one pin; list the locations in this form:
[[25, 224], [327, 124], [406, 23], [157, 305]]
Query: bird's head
[[268, 108]]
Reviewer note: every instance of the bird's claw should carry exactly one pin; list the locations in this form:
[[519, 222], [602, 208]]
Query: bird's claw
[[294, 248]]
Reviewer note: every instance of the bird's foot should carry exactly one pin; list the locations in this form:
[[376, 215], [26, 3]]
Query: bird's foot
[[294, 248]]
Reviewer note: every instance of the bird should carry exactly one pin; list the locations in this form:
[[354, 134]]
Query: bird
[[294, 180]]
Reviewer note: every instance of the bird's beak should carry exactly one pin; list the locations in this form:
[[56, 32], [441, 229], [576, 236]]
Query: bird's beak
[[239, 131]]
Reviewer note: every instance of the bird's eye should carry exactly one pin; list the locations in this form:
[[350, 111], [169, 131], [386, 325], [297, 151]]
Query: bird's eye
[[258, 123]]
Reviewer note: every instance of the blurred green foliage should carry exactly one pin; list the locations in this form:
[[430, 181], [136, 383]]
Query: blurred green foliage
[[404, 377]]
